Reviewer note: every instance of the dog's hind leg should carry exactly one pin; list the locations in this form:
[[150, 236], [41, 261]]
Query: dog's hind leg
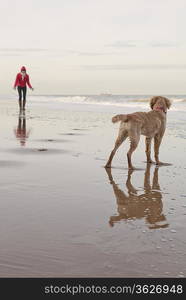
[[133, 145], [157, 142], [120, 139]]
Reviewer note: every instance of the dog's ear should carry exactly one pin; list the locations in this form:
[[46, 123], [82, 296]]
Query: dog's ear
[[153, 101], [168, 103]]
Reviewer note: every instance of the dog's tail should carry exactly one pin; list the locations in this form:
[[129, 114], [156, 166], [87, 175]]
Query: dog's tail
[[118, 118]]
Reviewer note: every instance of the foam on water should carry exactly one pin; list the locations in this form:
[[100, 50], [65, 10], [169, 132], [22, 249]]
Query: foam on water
[[110, 100], [130, 101]]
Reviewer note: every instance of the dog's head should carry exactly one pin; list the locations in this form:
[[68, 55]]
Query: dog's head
[[160, 103]]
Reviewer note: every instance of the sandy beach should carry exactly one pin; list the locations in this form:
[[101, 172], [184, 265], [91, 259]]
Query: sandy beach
[[63, 215]]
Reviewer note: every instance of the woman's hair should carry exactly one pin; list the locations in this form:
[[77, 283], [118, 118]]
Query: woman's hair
[[23, 69]]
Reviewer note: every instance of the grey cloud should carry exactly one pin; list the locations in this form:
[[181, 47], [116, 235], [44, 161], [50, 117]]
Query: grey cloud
[[123, 44], [93, 53], [170, 44], [22, 49], [133, 67], [135, 43], [82, 53], [10, 54]]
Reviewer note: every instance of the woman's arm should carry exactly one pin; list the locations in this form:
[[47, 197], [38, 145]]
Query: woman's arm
[[16, 81], [28, 82]]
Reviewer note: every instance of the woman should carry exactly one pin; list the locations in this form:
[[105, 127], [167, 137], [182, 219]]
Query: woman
[[22, 79]]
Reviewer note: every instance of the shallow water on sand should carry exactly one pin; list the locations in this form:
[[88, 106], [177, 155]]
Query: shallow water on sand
[[63, 214]]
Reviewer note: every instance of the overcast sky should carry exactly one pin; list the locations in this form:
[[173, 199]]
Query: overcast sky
[[94, 46]]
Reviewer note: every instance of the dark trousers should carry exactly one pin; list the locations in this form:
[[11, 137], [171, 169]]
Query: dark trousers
[[22, 92]]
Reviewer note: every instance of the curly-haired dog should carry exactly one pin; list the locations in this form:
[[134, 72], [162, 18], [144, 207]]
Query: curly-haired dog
[[152, 124]]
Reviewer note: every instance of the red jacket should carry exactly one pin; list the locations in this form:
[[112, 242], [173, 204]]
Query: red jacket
[[22, 82]]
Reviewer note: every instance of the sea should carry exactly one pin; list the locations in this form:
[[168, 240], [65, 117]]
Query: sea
[[106, 100], [130, 101]]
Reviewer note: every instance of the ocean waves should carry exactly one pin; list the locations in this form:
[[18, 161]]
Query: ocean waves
[[138, 101]]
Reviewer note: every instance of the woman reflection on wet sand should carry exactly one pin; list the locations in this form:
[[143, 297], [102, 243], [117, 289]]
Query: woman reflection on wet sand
[[148, 205], [20, 132]]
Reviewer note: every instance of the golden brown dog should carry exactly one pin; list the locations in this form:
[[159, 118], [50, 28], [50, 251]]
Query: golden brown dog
[[152, 124]]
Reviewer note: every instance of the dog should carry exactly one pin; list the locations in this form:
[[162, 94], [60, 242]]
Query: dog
[[152, 124]]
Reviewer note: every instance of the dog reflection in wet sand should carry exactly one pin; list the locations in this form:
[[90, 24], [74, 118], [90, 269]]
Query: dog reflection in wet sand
[[20, 132], [133, 206]]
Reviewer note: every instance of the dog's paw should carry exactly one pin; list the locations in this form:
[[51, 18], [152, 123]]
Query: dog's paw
[[107, 166], [131, 168], [150, 162], [160, 163]]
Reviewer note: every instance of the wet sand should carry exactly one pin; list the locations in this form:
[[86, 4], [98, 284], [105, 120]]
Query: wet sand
[[63, 215]]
